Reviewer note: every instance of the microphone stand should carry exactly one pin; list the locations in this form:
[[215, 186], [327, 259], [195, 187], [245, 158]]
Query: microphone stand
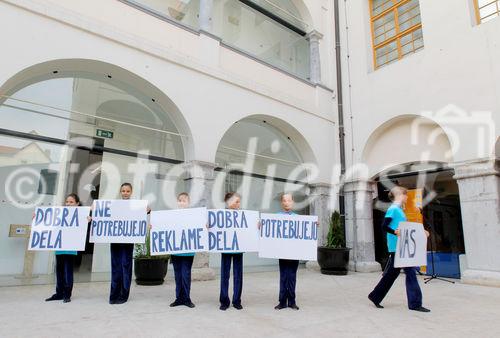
[[434, 275]]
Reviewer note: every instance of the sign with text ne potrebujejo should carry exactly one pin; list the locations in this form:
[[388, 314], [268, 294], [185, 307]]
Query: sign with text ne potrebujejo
[[119, 221]]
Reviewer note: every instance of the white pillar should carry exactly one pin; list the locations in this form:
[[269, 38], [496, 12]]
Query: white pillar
[[314, 58], [359, 226], [479, 187], [200, 178], [320, 195]]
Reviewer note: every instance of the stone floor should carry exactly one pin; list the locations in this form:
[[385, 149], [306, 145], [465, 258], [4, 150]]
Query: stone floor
[[329, 307]]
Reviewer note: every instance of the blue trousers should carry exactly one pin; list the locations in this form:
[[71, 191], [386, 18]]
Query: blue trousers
[[288, 281], [182, 271], [413, 292], [64, 275], [225, 272], [121, 271]]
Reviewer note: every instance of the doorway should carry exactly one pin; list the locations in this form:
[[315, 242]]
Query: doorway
[[83, 159]]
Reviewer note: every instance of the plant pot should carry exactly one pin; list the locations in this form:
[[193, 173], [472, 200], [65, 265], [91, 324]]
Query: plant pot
[[333, 261], [150, 271]]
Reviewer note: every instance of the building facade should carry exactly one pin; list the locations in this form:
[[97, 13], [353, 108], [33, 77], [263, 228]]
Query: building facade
[[421, 84], [174, 95]]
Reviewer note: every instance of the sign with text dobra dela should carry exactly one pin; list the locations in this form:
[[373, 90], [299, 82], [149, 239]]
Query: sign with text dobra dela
[[233, 230], [288, 236], [411, 249], [178, 231], [119, 221], [59, 228]]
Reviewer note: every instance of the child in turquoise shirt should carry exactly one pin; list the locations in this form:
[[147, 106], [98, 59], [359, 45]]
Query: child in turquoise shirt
[[64, 264]]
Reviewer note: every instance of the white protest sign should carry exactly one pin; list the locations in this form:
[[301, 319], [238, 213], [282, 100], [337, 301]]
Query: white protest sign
[[233, 230], [178, 231], [59, 228], [411, 248], [288, 236], [119, 221]]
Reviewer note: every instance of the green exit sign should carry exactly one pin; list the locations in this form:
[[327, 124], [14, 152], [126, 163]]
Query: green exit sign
[[104, 133]]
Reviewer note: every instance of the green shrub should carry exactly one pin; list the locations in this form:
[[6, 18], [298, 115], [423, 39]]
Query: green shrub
[[335, 238], [142, 251]]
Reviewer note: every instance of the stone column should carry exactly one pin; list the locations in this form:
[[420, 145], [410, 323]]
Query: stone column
[[200, 180], [359, 226], [314, 56], [320, 195], [479, 187], [205, 18]]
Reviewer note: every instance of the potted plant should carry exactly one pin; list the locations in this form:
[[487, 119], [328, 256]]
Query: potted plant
[[333, 258], [149, 270]]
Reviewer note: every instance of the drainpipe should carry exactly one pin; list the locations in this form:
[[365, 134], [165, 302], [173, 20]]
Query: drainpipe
[[340, 109]]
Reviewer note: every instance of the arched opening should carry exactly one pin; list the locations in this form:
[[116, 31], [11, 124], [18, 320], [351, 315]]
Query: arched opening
[[406, 139], [260, 161], [415, 153], [78, 131]]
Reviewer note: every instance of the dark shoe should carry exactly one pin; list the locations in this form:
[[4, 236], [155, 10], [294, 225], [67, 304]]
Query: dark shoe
[[377, 305], [223, 307], [176, 303], [279, 307], [421, 309], [120, 301], [293, 307], [66, 300], [238, 306], [190, 304], [53, 297]]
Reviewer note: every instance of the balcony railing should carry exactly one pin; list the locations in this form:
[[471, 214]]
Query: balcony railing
[[242, 28]]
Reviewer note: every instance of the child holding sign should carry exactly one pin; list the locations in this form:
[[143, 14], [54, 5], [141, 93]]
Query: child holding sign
[[288, 267], [64, 264], [121, 262], [393, 217], [182, 266], [233, 201]]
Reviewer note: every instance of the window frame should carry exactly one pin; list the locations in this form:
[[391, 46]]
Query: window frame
[[398, 34], [477, 12]]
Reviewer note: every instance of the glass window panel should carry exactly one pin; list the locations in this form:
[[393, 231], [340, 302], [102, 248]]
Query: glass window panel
[[387, 53], [488, 9], [182, 11], [384, 28], [258, 35], [83, 104], [271, 149], [408, 18], [284, 9], [378, 6]]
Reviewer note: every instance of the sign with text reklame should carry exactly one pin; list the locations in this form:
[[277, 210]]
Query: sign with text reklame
[[233, 230], [119, 221], [59, 228], [288, 236], [178, 231], [411, 248]]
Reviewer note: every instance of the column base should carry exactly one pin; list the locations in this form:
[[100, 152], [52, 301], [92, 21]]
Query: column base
[[365, 267], [481, 277], [202, 274]]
